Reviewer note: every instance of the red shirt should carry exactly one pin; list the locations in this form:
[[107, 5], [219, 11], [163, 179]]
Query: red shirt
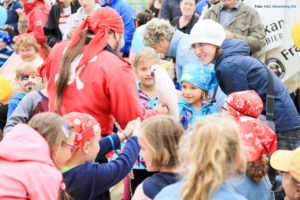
[[109, 89]]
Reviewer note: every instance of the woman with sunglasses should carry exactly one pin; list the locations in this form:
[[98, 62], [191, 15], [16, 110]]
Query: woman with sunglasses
[[31, 158]]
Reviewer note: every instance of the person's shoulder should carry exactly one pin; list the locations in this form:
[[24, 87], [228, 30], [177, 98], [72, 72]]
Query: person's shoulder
[[248, 9], [170, 192], [227, 192]]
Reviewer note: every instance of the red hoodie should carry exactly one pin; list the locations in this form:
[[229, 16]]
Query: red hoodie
[[105, 89], [26, 169]]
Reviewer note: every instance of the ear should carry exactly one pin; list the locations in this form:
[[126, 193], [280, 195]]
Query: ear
[[86, 147], [297, 193]]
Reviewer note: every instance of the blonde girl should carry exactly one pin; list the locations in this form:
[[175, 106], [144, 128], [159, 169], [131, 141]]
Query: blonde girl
[[158, 138], [31, 157], [208, 155]]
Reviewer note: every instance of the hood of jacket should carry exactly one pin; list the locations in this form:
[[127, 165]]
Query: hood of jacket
[[24, 144], [233, 47]]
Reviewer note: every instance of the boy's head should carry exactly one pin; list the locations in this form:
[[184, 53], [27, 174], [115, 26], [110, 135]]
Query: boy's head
[[28, 48], [5, 39], [196, 82], [87, 134], [27, 77], [288, 163], [142, 66]]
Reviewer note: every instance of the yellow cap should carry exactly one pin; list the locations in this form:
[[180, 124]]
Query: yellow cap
[[287, 161]]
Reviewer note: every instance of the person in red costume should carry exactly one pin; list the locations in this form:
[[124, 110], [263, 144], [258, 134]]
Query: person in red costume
[[32, 20], [87, 75]]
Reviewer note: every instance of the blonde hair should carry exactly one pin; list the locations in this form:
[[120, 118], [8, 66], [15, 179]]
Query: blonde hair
[[208, 155], [162, 134], [25, 68], [156, 29], [145, 55], [27, 41], [49, 126]]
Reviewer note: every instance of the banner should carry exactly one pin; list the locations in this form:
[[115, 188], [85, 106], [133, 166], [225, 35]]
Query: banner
[[279, 17]]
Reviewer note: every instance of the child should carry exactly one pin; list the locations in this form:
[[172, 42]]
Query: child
[[5, 47], [32, 155], [33, 103], [196, 82], [146, 83], [29, 49], [208, 155], [86, 179], [26, 79], [245, 107], [158, 138]]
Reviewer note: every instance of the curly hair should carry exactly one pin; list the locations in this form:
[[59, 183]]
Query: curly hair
[[156, 29], [256, 170]]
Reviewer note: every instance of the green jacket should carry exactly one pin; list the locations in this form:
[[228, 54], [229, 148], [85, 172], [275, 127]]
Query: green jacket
[[246, 25]]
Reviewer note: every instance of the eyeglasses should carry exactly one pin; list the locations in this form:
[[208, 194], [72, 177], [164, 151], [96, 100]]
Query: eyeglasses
[[72, 147], [224, 108], [66, 130]]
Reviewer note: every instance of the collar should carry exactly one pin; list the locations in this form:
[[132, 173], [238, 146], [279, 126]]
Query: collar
[[237, 5], [174, 43]]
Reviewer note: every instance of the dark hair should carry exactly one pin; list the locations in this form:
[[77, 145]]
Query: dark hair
[[64, 70], [256, 170], [143, 18]]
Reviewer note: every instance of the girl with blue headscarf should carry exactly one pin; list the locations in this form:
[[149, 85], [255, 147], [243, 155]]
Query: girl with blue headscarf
[[196, 82]]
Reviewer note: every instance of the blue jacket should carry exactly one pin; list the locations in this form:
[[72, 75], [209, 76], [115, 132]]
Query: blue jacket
[[128, 15], [237, 71], [93, 180], [245, 187], [172, 192], [13, 103], [189, 115], [200, 5]]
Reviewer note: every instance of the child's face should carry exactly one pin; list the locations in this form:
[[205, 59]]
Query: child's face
[[28, 54], [191, 93], [28, 82], [143, 73], [146, 155]]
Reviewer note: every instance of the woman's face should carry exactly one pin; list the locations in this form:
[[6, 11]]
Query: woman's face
[[205, 52], [187, 7], [162, 47]]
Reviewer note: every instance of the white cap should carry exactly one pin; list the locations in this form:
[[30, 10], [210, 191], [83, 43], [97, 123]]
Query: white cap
[[207, 31]]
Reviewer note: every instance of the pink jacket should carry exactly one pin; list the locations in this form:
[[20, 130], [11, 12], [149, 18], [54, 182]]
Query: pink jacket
[[26, 169]]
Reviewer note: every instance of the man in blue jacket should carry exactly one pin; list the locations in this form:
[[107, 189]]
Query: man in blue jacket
[[128, 16]]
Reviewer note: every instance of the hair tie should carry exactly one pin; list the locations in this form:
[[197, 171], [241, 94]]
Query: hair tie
[[63, 186]]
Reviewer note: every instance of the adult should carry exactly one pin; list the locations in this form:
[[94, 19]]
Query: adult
[[154, 7], [165, 39], [56, 25], [169, 42], [128, 17], [87, 8], [170, 9], [240, 21], [92, 78], [237, 71], [188, 17], [12, 17]]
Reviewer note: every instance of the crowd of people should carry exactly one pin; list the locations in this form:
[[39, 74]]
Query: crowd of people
[[172, 102]]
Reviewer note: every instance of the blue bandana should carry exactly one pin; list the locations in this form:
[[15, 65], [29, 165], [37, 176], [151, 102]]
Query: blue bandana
[[201, 77]]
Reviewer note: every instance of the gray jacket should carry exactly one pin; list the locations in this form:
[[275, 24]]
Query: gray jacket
[[246, 24]]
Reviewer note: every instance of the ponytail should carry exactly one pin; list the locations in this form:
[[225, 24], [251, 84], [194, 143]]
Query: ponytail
[[64, 70]]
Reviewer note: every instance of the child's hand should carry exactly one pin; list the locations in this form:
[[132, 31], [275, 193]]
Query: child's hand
[[128, 130]]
